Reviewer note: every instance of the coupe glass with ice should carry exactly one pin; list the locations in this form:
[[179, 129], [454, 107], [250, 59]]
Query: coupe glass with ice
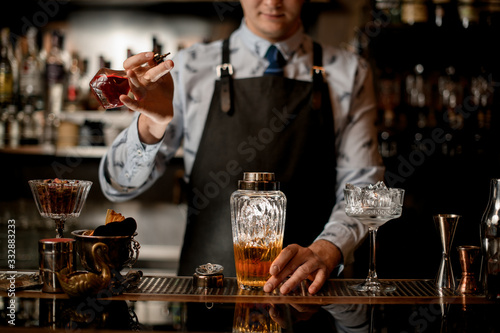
[[373, 205], [258, 224]]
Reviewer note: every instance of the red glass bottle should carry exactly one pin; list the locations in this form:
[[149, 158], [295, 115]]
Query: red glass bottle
[[107, 86]]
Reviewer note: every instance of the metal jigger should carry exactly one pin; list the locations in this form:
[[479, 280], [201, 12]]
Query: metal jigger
[[468, 261], [446, 225]]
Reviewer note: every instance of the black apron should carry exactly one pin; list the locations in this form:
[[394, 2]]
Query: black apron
[[270, 124]]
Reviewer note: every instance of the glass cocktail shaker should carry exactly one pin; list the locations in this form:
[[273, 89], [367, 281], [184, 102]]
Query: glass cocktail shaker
[[258, 222]]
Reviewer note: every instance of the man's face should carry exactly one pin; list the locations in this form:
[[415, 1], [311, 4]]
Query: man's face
[[274, 20]]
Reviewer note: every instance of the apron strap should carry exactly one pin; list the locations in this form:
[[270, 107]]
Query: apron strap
[[224, 71], [318, 72]]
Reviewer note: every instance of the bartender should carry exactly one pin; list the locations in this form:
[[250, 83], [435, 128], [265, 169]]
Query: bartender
[[266, 99]]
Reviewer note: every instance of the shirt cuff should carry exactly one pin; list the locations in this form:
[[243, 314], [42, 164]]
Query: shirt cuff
[[140, 157], [339, 235]]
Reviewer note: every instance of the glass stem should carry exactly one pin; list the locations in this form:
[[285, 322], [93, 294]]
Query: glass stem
[[372, 272], [59, 227]]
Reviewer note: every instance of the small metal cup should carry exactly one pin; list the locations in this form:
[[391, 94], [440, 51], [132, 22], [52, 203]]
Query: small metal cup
[[469, 256], [55, 254]]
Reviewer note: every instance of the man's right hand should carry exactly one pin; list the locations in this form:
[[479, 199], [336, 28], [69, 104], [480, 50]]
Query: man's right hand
[[153, 90]]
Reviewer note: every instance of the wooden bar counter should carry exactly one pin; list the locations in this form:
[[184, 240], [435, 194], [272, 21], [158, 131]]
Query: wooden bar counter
[[173, 304]]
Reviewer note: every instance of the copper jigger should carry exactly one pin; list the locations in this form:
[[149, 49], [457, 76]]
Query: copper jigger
[[468, 261], [446, 225]]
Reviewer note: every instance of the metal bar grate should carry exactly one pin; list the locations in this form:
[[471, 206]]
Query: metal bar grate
[[334, 288], [334, 291]]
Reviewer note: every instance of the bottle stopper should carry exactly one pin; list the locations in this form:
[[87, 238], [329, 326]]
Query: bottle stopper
[[209, 276], [158, 58]]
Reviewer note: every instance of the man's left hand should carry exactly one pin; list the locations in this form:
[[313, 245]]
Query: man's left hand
[[315, 263]]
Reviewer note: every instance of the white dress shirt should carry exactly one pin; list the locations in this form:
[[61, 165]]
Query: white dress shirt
[[132, 166]]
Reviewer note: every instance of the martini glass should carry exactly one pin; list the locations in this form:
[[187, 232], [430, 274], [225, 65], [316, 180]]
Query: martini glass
[[373, 206], [59, 199]]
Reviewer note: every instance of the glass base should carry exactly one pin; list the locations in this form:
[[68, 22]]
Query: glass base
[[373, 286]]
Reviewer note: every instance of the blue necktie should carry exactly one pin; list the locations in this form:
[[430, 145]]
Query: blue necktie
[[276, 62]]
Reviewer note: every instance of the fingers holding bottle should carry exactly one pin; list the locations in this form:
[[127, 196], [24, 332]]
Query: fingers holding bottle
[[151, 85], [146, 69]]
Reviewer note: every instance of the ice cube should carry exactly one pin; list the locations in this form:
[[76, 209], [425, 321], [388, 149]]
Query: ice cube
[[384, 198], [350, 186], [378, 186], [353, 195], [396, 197], [372, 195]]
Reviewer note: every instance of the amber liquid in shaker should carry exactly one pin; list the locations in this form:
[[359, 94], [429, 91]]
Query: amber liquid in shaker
[[253, 263]]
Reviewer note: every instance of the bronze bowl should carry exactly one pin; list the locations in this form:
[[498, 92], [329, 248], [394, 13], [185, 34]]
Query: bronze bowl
[[123, 250]]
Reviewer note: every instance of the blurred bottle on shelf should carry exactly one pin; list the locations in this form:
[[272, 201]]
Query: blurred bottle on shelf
[[7, 41], [450, 119], [157, 47], [414, 12], [31, 72], [3, 123], [388, 102], [55, 74], [30, 122], [6, 72], [477, 117], [103, 62], [21, 123], [490, 14], [74, 92], [12, 129], [56, 65], [419, 114], [388, 12], [468, 13], [445, 13]]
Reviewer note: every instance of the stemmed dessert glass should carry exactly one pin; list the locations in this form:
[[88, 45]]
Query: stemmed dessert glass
[[373, 206], [59, 199]]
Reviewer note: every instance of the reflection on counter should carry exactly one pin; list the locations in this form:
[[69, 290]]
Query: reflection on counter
[[171, 316]]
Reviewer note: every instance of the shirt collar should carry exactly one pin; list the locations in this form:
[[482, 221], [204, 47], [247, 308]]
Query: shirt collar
[[259, 45]]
